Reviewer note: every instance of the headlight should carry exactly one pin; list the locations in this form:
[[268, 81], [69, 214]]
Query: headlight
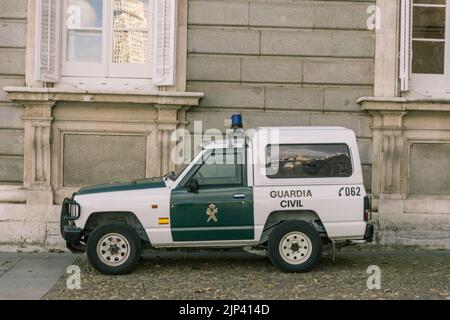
[[71, 209]]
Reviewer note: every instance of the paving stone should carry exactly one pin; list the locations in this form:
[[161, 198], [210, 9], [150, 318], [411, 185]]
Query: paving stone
[[405, 274]]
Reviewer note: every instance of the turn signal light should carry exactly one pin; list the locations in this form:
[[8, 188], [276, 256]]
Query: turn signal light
[[367, 209], [366, 215], [163, 221]]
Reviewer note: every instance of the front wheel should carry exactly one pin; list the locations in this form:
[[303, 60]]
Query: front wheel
[[295, 246], [114, 249]]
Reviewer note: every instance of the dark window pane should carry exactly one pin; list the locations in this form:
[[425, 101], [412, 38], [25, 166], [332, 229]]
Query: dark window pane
[[429, 1], [308, 161], [429, 23], [428, 57]]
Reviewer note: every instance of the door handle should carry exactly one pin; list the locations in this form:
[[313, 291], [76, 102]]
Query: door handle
[[239, 196]]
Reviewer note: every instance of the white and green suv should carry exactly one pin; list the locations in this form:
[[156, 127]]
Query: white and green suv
[[289, 197]]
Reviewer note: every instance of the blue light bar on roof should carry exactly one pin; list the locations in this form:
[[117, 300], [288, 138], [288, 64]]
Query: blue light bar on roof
[[236, 121]]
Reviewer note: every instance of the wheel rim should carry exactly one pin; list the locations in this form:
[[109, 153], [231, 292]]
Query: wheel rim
[[113, 249], [295, 247]]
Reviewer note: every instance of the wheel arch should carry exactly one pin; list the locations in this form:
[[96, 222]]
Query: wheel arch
[[97, 219], [277, 217]]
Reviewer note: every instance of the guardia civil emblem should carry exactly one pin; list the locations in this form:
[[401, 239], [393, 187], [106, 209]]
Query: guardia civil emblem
[[211, 213]]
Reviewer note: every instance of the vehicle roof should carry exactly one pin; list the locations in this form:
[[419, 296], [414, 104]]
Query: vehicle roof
[[307, 128], [323, 132], [338, 131], [221, 144]]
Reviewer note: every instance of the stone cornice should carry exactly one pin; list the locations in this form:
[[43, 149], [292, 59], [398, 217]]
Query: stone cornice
[[161, 98], [403, 104]]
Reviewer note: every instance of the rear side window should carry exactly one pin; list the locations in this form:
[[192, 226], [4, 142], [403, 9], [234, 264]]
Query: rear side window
[[308, 161]]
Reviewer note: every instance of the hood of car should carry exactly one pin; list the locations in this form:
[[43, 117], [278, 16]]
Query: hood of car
[[124, 186]]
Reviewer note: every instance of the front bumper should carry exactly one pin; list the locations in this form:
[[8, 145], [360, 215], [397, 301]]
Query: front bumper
[[72, 234], [370, 230]]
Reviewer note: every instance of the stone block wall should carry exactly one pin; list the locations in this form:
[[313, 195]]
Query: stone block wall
[[13, 27], [282, 63]]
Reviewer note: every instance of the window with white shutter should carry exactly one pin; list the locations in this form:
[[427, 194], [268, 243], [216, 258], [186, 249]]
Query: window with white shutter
[[48, 26], [425, 47], [117, 42], [405, 44]]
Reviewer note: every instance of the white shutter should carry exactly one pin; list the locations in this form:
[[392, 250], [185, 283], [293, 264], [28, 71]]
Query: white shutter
[[405, 43], [48, 28], [165, 37]]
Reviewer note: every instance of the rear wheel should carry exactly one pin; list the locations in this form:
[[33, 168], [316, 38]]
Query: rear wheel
[[114, 249], [295, 246]]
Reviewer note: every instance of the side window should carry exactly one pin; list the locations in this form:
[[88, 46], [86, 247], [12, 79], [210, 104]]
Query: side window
[[121, 39], [221, 167], [424, 46], [429, 36], [107, 38], [308, 161]]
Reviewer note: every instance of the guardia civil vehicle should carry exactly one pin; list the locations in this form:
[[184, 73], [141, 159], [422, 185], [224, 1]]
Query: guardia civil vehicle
[[287, 190]]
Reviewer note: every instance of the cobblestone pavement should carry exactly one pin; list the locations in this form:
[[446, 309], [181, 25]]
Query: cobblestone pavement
[[405, 274]]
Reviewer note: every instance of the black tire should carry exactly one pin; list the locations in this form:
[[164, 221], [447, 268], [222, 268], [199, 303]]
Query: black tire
[[308, 255], [129, 260]]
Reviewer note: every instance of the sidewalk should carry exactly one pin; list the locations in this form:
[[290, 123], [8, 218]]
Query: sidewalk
[[29, 276]]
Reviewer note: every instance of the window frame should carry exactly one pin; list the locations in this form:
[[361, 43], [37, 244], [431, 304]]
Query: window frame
[[432, 84], [197, 166], [274, 178], [107, 70], [169, 39]]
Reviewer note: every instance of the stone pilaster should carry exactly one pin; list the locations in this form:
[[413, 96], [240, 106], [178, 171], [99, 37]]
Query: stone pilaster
[[170, 118], [390, 149], [37, 151], [393, 148]]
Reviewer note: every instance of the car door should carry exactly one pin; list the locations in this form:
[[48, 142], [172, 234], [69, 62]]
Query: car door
[[221, 209]]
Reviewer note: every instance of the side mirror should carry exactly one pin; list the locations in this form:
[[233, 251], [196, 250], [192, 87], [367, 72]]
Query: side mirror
[[193, 186]]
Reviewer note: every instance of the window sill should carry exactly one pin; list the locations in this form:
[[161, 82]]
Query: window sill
[[404, 104], [104, 96], [108, 84]]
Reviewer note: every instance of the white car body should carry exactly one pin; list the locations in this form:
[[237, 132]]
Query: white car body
[[337, 201]]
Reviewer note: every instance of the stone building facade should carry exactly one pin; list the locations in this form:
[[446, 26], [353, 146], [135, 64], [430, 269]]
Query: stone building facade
[[278, 63]]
